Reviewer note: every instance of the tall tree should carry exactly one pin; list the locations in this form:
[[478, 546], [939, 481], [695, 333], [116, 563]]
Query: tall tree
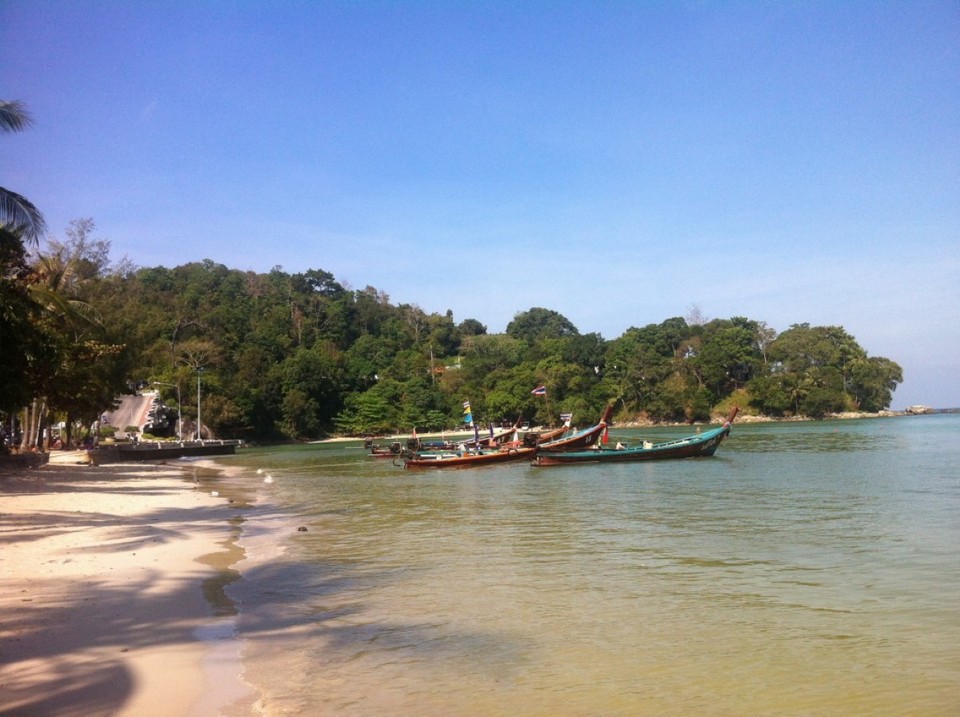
[[22, 348], [873, 381], [728, 357], [538, 323], [90, 365]]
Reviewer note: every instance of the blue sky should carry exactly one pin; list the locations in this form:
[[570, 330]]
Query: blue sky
[[618, 162]]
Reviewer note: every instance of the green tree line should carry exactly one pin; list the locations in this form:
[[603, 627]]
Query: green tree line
[[299, 355]]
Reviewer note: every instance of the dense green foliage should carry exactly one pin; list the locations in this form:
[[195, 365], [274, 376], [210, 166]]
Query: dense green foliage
[[300, 355]]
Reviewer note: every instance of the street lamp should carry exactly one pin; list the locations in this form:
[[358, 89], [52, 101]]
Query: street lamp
[[179, 408], [199, 371]]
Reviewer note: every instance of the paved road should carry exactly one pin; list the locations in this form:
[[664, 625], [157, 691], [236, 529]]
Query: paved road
[[133, 411]]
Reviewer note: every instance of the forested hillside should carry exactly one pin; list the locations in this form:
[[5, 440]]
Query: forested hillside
[[301, 355]]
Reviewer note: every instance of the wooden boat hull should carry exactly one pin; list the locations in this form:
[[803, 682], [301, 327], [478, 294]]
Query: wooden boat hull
[[698, 446], [505, 437], [534, 438], [467, 460], [579, 439], [380, 451]]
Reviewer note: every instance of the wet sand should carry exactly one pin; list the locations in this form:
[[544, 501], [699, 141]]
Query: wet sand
[[108, 603]]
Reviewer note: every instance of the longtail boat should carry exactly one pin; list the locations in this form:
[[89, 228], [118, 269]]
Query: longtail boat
[[535, 438], [467, 458], [417, 445], [578, 439], [696, 446], [507, 436], [391, 451], [550, 434]]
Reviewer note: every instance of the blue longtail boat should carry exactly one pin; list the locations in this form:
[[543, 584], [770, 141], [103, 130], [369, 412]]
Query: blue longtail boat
[[696, 446]]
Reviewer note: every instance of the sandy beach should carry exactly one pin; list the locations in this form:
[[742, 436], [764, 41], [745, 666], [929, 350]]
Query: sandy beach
[[112, 598]]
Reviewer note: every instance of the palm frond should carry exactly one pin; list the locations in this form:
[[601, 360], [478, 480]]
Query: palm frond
[[83, 312], [18, 214], [14, 116], [73, 311]]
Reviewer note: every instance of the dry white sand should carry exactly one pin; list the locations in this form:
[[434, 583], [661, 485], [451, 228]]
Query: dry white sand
[[102, 607]]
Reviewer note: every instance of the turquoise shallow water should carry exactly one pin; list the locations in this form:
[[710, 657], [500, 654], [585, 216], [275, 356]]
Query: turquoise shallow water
[[806, 569]]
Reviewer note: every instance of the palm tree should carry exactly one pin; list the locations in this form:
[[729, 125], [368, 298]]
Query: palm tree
[[20, 223], [16, 212], [56, 289]]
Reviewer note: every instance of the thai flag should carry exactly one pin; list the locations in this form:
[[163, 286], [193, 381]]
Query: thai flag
[[539, 391]]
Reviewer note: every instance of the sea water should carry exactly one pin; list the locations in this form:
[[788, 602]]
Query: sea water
[[806, 569]]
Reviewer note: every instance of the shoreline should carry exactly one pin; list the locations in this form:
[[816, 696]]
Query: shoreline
[[110, 600], [742, 418]]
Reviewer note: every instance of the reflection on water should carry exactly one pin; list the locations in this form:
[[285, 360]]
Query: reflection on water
[[806, 569]]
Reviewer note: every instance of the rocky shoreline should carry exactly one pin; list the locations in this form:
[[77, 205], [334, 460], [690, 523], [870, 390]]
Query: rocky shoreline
[[748, 418]]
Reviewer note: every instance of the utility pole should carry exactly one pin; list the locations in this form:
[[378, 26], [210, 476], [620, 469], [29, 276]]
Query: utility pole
[[199, 371]]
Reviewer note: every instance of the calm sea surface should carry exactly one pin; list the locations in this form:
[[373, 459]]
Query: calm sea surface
[[806, 569]]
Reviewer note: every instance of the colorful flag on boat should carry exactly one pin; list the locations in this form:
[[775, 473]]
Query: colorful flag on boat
[[566, 418], [539, 391], [467, 413]]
